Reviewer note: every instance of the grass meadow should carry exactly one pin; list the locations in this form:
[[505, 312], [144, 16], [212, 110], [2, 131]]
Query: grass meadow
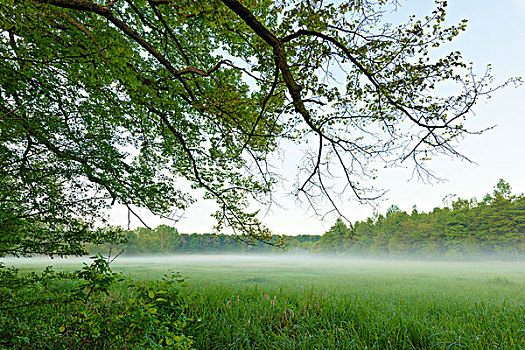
[[311, 302]]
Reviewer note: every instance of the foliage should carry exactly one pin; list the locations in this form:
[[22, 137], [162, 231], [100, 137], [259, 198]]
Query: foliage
[[496, 226], [332, 239], [124, 101], [167, 240], [465, 228], [93, 308]]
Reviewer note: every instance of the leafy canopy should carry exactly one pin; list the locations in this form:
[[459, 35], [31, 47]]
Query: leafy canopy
[[121, 101]]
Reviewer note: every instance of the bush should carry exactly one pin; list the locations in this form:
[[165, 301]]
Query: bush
[[91, 309]]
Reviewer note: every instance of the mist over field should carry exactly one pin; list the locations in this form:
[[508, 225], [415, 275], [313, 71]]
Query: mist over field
[[324, 264], [283, 258], [306, 301]]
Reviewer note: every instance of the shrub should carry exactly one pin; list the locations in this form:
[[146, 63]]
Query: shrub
[[93, 308]]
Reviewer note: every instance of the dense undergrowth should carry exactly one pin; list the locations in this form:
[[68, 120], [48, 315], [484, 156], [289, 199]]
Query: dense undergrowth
[[93, 308]]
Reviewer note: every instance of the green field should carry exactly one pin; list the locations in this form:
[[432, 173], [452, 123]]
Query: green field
[[275, 302]]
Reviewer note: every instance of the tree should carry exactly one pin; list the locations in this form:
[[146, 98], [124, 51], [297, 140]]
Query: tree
[[505, 217], [336, 238], [117, 102], [459, 225]]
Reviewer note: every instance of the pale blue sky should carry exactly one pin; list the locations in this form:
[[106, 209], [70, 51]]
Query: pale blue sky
[[495, 35]]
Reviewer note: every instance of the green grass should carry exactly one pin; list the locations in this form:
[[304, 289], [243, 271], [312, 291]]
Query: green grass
[[319, 303]]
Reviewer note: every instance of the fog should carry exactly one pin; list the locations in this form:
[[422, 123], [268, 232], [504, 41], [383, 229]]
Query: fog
[[292, 259]]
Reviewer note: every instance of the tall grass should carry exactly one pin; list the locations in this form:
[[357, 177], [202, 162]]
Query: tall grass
[[377, 306], [268, 303]]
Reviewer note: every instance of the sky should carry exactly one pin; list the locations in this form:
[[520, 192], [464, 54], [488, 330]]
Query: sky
[[495, 35]]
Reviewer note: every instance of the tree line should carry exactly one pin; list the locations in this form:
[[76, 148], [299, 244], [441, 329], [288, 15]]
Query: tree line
[[463, 228], [494, 226], [166, 239]]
